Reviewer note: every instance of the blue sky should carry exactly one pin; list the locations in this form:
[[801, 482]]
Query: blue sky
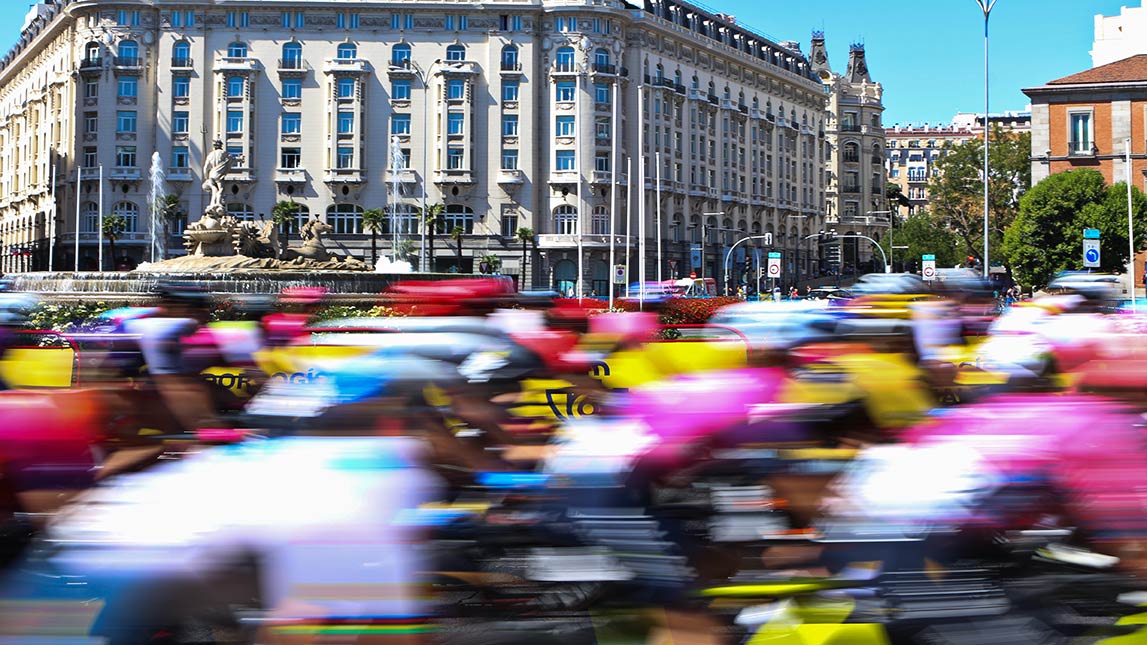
[[927, 53]]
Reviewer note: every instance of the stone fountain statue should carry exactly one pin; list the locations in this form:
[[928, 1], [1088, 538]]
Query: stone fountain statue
[[218, 241]]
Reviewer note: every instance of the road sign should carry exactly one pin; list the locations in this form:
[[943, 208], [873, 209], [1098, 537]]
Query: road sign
[[929, 267], [774, 270], [673, 266], [695, 256], [1091, 234], [619, 274], [1090, 253]]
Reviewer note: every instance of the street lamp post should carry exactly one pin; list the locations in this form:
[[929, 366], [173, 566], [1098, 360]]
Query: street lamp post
[[986, 6], [767, 237], [423, 77], [704, 217]]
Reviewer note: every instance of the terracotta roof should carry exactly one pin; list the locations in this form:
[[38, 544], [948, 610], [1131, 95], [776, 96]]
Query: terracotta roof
[[1128, 70]]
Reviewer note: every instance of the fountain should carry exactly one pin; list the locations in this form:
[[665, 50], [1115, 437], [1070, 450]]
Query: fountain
[[156, 193], [397, 165], [227, 256]]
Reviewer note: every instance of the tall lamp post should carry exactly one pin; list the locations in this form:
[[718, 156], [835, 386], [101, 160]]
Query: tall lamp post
[[424, 78], [986, 6]]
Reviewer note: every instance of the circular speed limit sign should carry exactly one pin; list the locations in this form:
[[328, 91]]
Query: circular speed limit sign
[[929, 272], [774, 269]]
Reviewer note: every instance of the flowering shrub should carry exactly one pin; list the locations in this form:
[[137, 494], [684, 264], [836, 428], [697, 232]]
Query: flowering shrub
[[65, 318], [335, 312], [686, 311]]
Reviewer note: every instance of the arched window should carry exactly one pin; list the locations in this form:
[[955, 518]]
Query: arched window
[[602, 58], [91, 220], [675, 228], [348, 51], [510, 58], [455, 52], [405, 218], [302, 214], [564, 58], [695, 83], [92, 53], [694, 229], [600, 282], [599, 221], [458, 215], [677, 77], [292, 55], [400, 55], [565, 220], [241, 211], [756, 103], [851, 152], [565, 277], [660, 73], [711, 230], [130, 214], [181, 54], [756, 228], [346, 219], [237, 50], [127, 53]]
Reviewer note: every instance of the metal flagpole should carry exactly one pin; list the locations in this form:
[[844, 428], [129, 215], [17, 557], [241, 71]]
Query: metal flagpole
[[100, 224], [1130, 234], [79, 186], [613, 196], [658, 224], [52, 222], [641, 196], [580, 193]]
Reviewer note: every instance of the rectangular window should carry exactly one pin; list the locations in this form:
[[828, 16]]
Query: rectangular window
[[509, 125], [449, 23], [565, 159], [127, 18], [128, 86], [601, 162], [400, 124], [180, 87], [510, 159], [346, 123], [179, 122], [463, 23], [346, 88], [125, 121], [509, 225], [236, 86], [125, 156], [345, 158], [237, 153], [408, 22], [91, 123], [456, 89], [400, 90], [597, 25], [290, 158], [509, 90], [340, 21], [565, 126], [1079, 138], [454, 156], [189, 18], [566, 91], [91, 157], [292, 122], [565, 24], [179, 158], [176, 18], [238, 19], [395, 20], [601, 128], [455, 123], [234, 121], [293, 88], [91, 89], [347, 21], [602, 93]]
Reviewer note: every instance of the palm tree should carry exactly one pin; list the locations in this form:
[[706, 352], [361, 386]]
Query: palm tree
[[284, 214], [113, 226], [456, 234], [431, 218], [525, 235], [374, 220], [170, 212]]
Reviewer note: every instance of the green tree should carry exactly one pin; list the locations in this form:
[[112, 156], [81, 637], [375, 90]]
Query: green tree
[[432, 220], [284, 214], [896, 197], [525, 235], [456, 234], [113, 226], [374, 220], [923, 235], [956, 190], [170, 212], [1046, 236]]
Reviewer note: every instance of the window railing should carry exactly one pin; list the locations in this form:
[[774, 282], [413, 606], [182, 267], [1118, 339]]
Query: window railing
[[181, 62], [850, 127], [128, 61], [852, 158], [604, 68], [290, 63], [851, 188], [1081, 147], [511, 66], [400, 63], [89, 63], [564, 66]]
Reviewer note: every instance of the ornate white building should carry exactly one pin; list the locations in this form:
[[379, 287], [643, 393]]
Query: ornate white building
[[854, 155], [510, 115]]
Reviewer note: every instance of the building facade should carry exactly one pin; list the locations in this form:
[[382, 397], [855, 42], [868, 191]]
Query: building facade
[[587, 122], [853, 154], [1120, 36], [1087, 120], [914, 150]]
